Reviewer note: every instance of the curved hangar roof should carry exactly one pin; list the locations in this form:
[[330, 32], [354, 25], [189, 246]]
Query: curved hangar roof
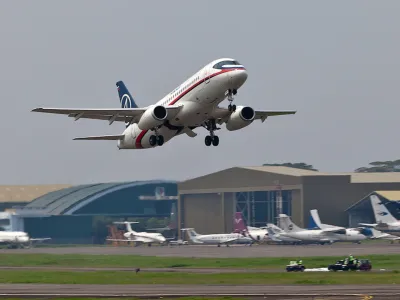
[[69, 200]]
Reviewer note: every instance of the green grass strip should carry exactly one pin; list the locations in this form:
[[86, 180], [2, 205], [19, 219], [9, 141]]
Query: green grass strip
[[79, 260], [115, 277]]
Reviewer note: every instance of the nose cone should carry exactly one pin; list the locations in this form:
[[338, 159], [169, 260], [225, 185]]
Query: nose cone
[[238, 78]]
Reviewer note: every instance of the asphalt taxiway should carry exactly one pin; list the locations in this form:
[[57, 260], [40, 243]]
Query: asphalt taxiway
[[159, 290], [235, 251]]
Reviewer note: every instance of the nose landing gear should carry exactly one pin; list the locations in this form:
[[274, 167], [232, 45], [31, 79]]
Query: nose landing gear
[[230, 95], [212, 138]]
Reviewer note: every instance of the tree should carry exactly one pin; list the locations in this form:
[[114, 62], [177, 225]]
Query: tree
[[381, 166], [300, 165]]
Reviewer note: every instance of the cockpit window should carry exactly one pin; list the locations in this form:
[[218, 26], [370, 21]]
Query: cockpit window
[[227, 64]]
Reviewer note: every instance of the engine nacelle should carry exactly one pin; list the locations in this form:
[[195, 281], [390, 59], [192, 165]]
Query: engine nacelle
[[242, 117], [152, 117]]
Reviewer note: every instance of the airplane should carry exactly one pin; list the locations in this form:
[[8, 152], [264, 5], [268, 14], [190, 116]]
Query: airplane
[[386, 223], [274, 234], [139, 237], [218, 239], [323, 236], [255, 233], [192, 104], [18, 239], [361, 233]]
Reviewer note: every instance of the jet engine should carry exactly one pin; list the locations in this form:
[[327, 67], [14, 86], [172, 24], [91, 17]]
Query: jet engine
[[242, 117], [152, 117]]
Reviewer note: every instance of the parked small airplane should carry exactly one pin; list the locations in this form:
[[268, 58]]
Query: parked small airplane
[[193, 104], [323, 236], [148, 238], [217, 239], [18, 239], [276, 234]]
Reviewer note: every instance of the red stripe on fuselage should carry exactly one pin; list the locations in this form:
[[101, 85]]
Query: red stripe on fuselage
[[138, 142]]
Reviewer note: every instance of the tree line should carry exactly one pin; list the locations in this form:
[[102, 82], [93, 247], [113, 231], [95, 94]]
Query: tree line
[[375, 166]]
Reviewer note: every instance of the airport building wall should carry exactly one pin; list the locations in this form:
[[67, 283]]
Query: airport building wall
[[208, 203]]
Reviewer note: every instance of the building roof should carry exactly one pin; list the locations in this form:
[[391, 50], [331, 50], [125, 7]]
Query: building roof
[[26, 193], [70, 199], [390, 195], [355, 177]]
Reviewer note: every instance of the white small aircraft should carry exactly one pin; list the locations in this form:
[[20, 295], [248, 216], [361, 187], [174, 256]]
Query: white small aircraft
[[218, 238], [18, 239], [326, 235], [275, 234], [139, 237], [257, 234], [192, 104], [386, 222]]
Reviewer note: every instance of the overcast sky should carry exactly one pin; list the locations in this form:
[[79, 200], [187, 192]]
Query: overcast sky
[[336, 63]]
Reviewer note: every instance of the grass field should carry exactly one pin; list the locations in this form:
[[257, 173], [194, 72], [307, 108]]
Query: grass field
[[115, 277], [391, 262]]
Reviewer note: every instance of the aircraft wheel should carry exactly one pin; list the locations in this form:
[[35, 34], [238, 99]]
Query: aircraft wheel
[[208, 140], [215, 141], [160, 140], [153, 140]]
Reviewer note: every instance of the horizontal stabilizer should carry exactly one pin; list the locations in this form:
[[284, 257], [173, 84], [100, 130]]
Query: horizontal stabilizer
[[101, 138]]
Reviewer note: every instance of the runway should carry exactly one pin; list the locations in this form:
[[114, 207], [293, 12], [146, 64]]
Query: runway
[[250, 291], [236, 251]]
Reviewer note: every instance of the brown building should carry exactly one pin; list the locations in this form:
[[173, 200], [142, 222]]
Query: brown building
[[207, 203]]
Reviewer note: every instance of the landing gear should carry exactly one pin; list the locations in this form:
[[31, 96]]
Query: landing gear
[[231, 93], [212, 138], [156, 139]]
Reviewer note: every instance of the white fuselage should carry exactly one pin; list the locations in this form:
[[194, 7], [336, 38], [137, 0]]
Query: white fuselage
[[257, 234], [145, 237], [220, 238], [321, 236], [390, 228], [199, 95], [14, 237]]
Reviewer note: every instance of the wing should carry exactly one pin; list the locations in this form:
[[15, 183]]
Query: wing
[[40, 239], [368, 225], [339, 230], [222, 114], [101, 138], [108, 114]]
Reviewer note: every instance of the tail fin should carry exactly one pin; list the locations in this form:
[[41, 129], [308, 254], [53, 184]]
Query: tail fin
[[125, 98], [191, 233], [382, 214], [315, 221], [128, 225], [238, 223], [287, 224]]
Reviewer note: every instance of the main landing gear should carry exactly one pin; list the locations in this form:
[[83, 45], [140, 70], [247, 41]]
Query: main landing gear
[[212, 138], [231, 93], [156, 139]]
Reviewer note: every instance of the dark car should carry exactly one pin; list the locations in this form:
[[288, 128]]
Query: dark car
[[294, 267], [361, 265]]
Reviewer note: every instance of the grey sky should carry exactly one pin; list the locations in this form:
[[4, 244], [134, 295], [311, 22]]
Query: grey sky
[[335, 62]]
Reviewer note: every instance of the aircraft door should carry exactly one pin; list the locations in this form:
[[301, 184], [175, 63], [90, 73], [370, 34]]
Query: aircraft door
[[207, 74]]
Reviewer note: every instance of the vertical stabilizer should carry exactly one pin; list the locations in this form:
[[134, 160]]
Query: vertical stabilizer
[[316, 220], [382, 214], [125, 98], [239, 226], [287, 224]]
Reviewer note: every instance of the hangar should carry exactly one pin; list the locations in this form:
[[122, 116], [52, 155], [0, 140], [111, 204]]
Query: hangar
[[208, 203], [68, 215], [361, 211]]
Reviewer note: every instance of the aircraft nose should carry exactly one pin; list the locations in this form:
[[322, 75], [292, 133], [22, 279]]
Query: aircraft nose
[[238, 78]]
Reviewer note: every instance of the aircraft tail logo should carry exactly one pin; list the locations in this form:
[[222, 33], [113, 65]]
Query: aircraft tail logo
[[239, 225], [125, 98]]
